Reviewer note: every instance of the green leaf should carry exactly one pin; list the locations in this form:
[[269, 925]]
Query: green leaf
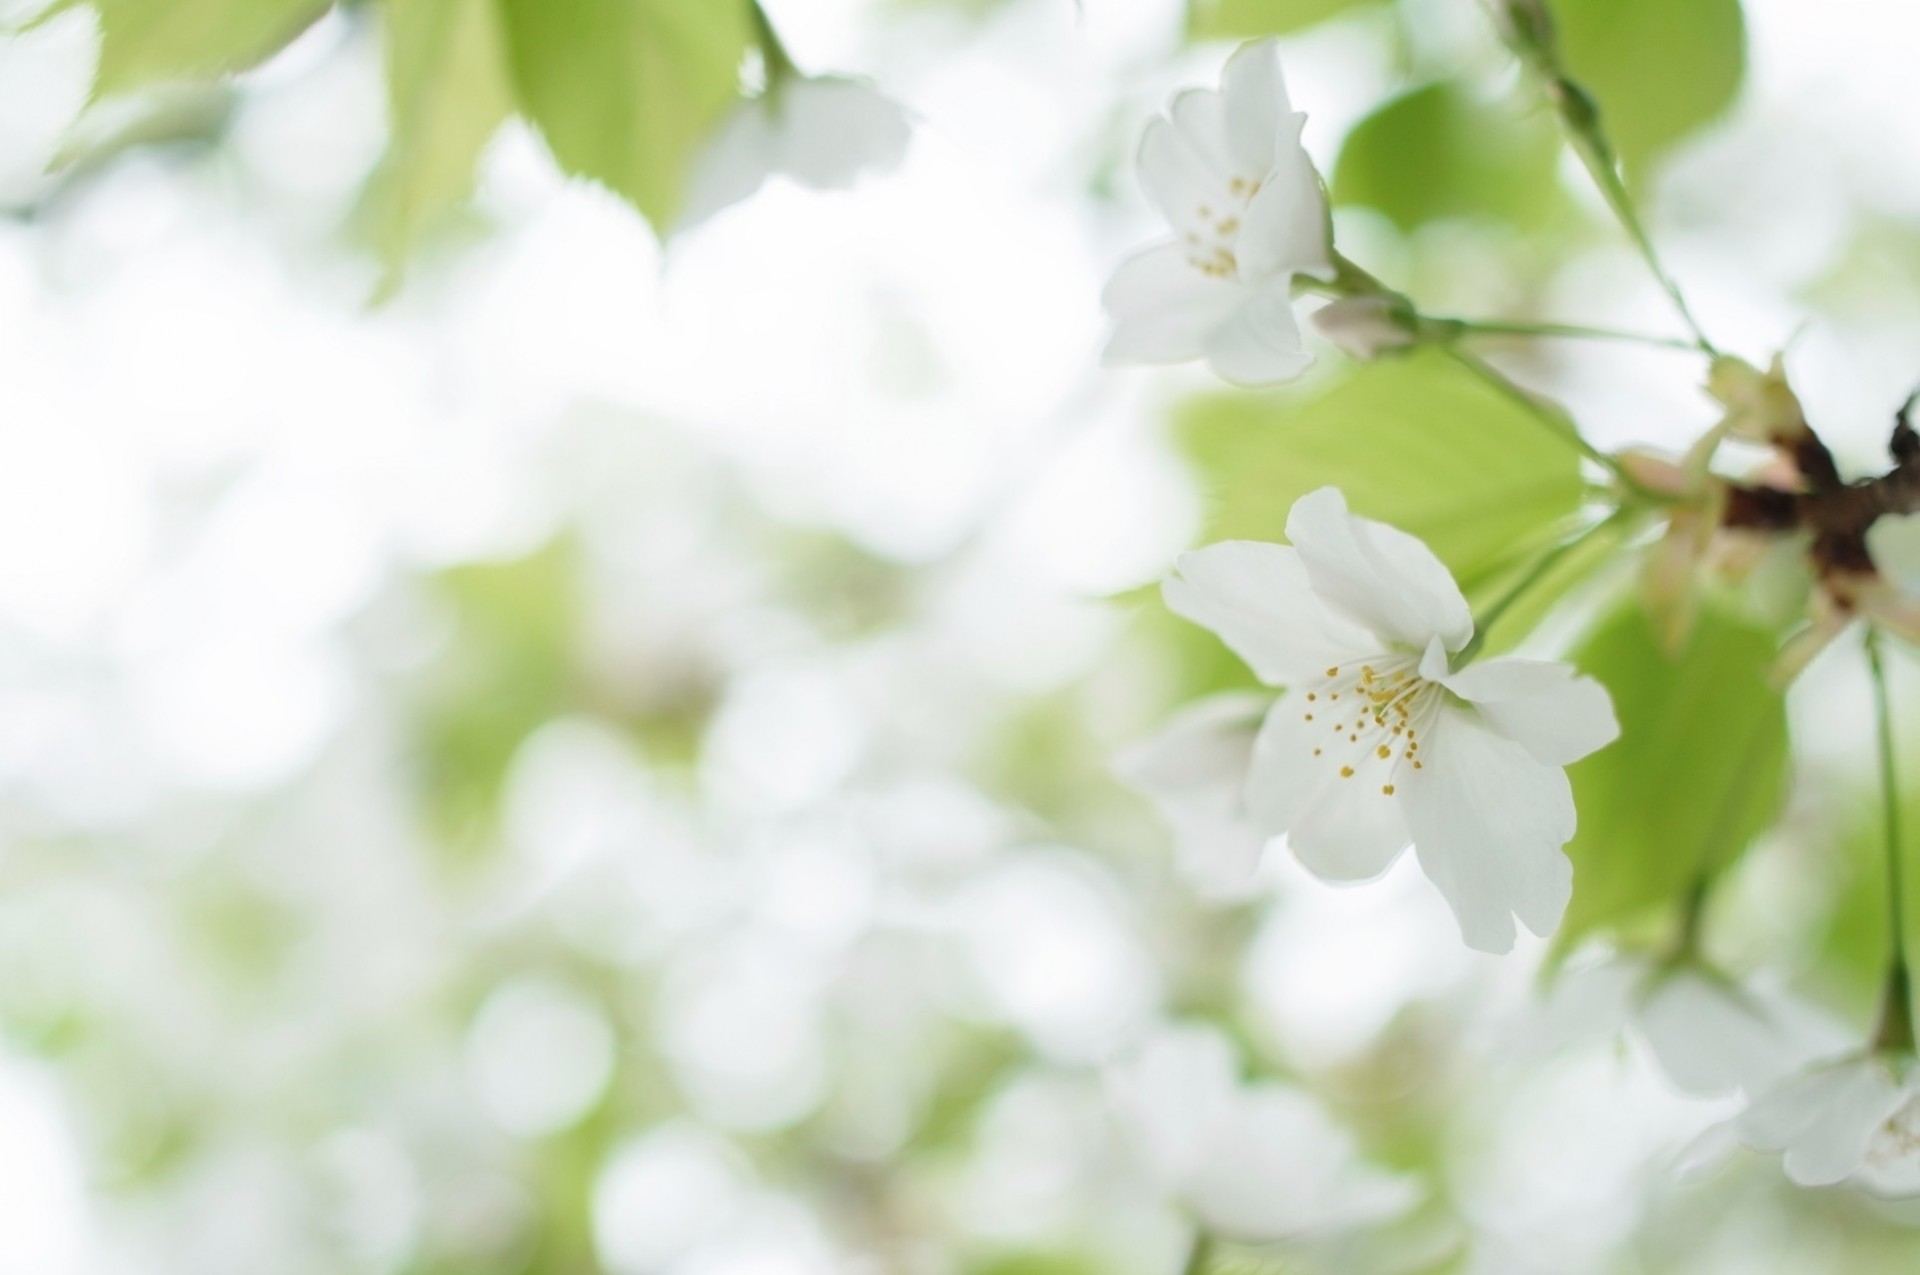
[[447, 94], [1439, 152], [1698, 772], [625, 91], [1417, 442], [1658, 68], [145, 42], [1249, 19], [508, 670]]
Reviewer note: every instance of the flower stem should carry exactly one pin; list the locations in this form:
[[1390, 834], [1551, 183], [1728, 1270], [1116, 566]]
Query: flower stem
[[1896, 1012], [1528, 31], [1200, 1255], [1569, 331], [779, 63]]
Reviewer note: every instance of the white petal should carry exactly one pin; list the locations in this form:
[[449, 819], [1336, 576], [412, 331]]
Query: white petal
[[1254, 93], [1342, 827], [1284, 229], [742, 154], [1540, 705], [1174, 1093], [1201, 117], [1257, 598], [1380, 575], [833, 129], [1194, 770], [1892, 1163], [1182, 181], [1488, 822], [1165, 309], [1260, 343], [1893, 542], [1280, 1167], [1823, 1119], [1711, 1038]]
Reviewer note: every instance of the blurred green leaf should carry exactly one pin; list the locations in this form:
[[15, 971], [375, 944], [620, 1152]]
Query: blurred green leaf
[[1698, 772], [625, 91], [1439, 152], [1417, 442], [507, 671], [447, 93], [1659, 68], [145, 42], [1247, 19]]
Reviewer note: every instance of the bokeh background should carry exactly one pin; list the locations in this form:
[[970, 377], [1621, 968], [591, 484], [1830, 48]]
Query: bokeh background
[[594, 758]]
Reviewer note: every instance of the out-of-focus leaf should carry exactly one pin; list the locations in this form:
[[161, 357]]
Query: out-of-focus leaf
[[507, 671], [1697, 773], [146, 42], [1659, 68], [1247, 19], [447, 93], [625, 91], [1439, 152], [1417, 442]]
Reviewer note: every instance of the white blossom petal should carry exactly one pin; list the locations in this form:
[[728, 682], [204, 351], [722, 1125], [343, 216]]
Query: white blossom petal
[[1258, 599], [1282, 1168], [1540, 705], [1823, 1119], [834, 129], [1253, 92], [1182, 181], [1381, 576], [1284, 230], [739, 159], [1488, 823], [1711, 1037], [1193, 770], [1324, 790], [1164, 310], [1175, 1092], [1260, 341]]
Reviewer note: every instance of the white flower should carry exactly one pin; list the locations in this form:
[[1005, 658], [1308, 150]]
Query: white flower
[[821, 131], [1228, 171], [1253, 1162], [1194, 771], [1856, 1118], [1380, 742], [1709, 1035]]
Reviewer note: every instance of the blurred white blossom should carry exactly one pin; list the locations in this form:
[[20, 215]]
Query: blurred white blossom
[[825, 132], [1253, 1162]]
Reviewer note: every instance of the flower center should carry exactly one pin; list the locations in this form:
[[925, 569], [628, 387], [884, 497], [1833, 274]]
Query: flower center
[[1211, 239], [1373, 715]]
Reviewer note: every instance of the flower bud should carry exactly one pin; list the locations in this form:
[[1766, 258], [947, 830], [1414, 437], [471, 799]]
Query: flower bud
[[1761, 406], [1366, 327]]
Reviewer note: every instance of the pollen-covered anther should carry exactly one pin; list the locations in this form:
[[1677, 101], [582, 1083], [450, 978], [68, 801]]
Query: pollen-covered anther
[[1346, 772], [1387, 789]]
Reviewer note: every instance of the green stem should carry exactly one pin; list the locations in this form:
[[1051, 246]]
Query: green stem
[[1571, 331], [1896, 1012], [1200, 1255], [1529, 33], [1693, 909], [1597, 155], [779, 62], [1542, 567]]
